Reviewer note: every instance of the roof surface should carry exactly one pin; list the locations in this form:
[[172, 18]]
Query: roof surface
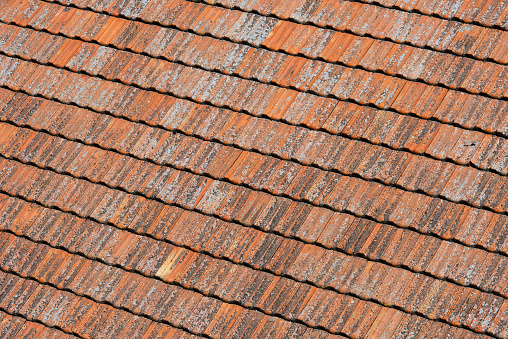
[[254, 169]]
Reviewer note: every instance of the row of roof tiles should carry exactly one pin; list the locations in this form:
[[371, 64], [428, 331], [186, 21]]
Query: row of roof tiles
[[439, 259], [329, 153], [376, 22], [192, 270], [412, 98], [404, 61], [171, 304], [155, 138], [74, 313], [12, 327], [487, 13], [139, 194], [252, 170], [85, 203], [346, 119], [287, 258]]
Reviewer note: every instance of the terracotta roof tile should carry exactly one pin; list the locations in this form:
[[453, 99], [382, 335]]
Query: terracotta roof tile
[[253, 169]]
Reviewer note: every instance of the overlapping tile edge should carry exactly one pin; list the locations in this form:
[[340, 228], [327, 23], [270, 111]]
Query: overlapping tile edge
[[35, 174]]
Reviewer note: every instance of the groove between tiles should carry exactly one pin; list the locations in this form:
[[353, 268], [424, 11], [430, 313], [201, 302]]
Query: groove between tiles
[[236, 75], [237, 8], [350, 294], [371, 3], [173, 283], [273, 155], [435, 15], [354, 175], [162, 321], [19, 315], [145, 160], [358, 255], [271, 83]]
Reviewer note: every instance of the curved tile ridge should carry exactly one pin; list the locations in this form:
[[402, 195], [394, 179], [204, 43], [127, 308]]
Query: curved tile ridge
[[303, 225], [493, 240], [139, 283], [299, 186], [262, 250], [374, 243], [338, 117], [211, 320], [492, 14]]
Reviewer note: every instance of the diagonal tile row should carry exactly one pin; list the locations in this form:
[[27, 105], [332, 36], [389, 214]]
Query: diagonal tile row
[[31, 78], [366, 22], [381, 23], [446, 219], [175, 305], [426, 102], [248, 62], [243, 167], [148, 143], [296, 72], [480, 304], [219, 278], [69, 311], [169, 302], [483, 12], [132, 292], [379, 127], [87, 199], [12, 327], [151, 297], [292, 219], [314, 148]]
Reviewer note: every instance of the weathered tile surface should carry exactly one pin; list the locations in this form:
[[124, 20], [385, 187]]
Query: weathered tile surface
[[253, 169]]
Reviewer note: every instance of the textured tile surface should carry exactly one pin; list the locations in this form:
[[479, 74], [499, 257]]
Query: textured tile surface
[[254, 169]]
